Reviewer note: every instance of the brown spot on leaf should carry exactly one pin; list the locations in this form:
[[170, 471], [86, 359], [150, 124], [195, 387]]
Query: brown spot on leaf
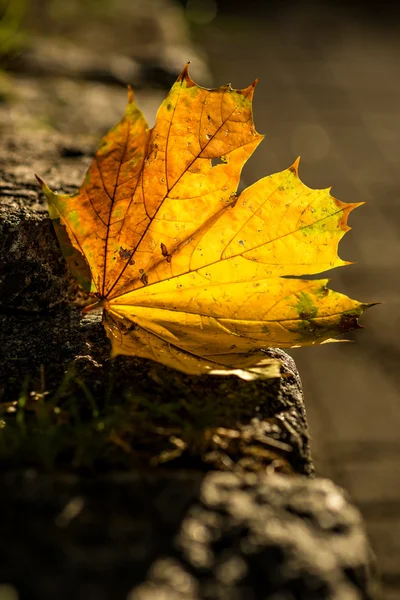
[[306, 315], [124, 254], [165, 253], [127, 328], [349, 322]]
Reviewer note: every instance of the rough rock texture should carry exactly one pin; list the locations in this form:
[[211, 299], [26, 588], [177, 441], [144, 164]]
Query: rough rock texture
[[269, 413], [181, 536], [33, 275]]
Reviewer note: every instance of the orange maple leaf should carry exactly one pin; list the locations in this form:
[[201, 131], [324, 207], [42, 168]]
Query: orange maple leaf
[[187, 273]]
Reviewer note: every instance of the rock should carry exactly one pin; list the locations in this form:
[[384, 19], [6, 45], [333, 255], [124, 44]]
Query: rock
[[130, 41], [181, 536], [262, 421], [33, 274], [61, 58]]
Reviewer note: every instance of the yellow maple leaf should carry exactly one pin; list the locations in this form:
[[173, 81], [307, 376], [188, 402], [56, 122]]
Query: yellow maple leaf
[[187, 273]]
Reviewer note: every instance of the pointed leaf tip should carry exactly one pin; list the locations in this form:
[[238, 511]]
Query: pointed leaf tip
[[131, 96], [45, 188], [367, 305], [295, 166], [184, 75], [40, 181], [356, 205]]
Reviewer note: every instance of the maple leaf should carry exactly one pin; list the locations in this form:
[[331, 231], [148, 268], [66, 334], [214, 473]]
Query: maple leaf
[[187, 273]]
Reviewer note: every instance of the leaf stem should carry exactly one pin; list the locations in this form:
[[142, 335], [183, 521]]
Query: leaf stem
[[92, 307]]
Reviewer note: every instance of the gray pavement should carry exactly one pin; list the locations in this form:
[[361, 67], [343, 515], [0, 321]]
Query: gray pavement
[[329, 91]]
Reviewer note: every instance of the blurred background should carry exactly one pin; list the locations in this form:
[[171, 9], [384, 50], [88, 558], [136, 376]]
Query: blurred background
[[329, 91]]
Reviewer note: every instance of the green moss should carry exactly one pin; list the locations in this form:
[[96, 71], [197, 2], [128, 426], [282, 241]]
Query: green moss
[[12, 37], [79, 429]]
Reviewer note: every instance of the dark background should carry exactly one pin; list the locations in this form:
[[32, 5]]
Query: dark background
[[329, 91]]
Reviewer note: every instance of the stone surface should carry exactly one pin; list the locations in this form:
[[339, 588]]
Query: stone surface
[[33, 275], [181, 536], [268, 414]]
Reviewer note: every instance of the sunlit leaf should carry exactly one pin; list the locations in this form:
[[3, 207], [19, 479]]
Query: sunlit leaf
[[188, 273]]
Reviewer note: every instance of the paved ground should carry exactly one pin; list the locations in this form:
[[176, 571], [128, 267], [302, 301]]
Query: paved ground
[[330, 91]]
